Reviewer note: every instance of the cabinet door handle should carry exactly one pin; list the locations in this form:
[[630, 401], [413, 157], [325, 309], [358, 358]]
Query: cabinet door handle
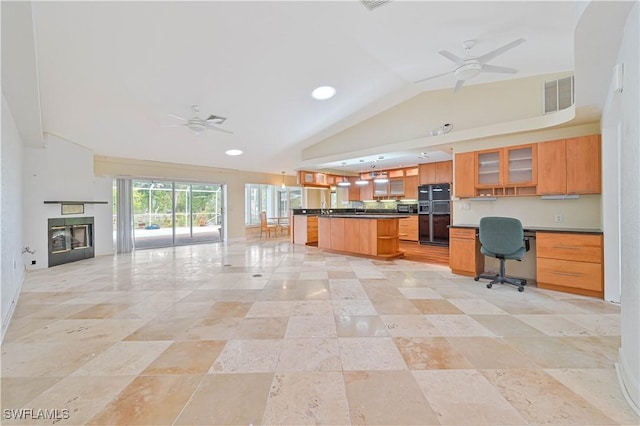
[[567, 247], [570, 274]]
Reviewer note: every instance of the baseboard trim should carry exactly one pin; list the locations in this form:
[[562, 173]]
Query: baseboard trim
[[12, 308], [628, 385]]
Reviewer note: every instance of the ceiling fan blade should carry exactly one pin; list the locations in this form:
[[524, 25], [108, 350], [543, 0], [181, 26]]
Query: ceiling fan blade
[[450, 56], [432, 77], [459, 84], [499, 51], [177, 117], [219, 129], [494, 68]]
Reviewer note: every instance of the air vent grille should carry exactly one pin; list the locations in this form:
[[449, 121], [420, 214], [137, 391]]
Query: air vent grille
[[372, 4], [557, 95]]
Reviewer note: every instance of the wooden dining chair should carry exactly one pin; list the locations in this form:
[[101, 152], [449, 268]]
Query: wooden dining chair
[[285, 228], [266, 227]]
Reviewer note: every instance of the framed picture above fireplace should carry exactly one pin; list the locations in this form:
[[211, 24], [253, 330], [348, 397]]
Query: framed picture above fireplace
[[72, 208]]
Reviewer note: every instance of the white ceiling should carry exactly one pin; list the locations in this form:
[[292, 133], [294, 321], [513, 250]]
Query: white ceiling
[[110, 72]]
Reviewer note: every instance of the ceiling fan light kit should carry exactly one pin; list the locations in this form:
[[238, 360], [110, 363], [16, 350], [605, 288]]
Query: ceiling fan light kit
[[471, 66], [198, 125]]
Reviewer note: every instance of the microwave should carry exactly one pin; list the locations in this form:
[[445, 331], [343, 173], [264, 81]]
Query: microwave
[[407, 208]]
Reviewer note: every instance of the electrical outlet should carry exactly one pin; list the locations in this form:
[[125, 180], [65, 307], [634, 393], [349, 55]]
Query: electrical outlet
[[558, 218], [33, 262]]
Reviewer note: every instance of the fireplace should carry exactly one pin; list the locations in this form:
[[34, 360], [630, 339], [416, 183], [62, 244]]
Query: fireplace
[[70, 239]]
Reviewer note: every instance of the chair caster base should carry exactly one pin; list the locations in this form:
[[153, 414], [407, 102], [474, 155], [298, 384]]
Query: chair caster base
[[489, 285]]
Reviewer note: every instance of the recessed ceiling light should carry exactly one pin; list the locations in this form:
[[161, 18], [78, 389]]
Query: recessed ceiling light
[[233, 152], [323, 92]]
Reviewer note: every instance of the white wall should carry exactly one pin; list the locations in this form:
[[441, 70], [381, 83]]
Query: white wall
[[11, 266], [626, 111], [63, 171]]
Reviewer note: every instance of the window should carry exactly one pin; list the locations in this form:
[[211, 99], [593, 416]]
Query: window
[[273, 199], [166, 213]]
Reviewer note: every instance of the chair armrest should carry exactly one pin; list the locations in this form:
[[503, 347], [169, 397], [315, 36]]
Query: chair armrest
[[526, 243]]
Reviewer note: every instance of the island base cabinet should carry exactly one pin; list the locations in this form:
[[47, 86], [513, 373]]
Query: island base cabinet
[[409, 228], [305, 230], [360, 236]]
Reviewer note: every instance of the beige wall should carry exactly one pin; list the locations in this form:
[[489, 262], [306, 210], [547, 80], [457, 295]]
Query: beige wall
[[489, 109], [234, 180]]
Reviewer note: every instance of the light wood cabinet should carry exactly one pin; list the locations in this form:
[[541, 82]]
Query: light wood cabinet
[[371, 237], [396, 187], [570, 262], [305, 229], [552, 167], [366, 191], [408, 228], [584, 167], [411, 187], [464, 252], [427, 173], [506, 171], [570, 166], [354, 190], [520, 165], [380, 189], [439, 172], [444, 172], [464, 186], [488, 168]]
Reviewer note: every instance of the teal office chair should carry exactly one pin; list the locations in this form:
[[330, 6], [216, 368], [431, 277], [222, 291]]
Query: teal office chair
[[503, 238]]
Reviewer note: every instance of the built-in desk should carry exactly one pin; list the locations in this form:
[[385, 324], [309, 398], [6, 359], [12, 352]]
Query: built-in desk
[[567, 259]]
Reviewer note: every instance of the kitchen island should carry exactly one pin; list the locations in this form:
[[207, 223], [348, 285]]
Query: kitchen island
[[371, 235]]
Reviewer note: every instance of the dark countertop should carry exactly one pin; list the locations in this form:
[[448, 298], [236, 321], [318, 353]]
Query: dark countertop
[[543, 229], [365, 215], [359, 212]]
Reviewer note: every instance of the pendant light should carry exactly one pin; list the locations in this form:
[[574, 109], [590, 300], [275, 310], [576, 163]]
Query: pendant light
[[344, 182], [283, 186], [361, 181]]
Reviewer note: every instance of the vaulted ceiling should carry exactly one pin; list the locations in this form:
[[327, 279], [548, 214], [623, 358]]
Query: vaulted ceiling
[[105, 75]]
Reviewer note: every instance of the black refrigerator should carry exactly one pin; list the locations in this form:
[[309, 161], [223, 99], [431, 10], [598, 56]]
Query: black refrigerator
[[434, 214]]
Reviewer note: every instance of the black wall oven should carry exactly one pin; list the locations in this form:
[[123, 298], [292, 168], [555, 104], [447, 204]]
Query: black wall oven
[[434, 213]]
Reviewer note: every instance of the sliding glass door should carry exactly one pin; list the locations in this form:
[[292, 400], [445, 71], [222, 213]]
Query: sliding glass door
[[169, 213]]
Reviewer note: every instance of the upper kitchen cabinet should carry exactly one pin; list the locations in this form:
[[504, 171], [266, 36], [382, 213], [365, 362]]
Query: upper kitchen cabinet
[[444, 171], [439, 172], [411, 187], [507, 171], [521, 165], [552, 167], [570, 166], [366, 191], [488, 168], [584, 167], [465, 172], [354, 190]]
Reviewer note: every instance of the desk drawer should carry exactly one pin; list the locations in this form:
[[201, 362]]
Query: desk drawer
[[581, 247], [566, 273], [463, 233]]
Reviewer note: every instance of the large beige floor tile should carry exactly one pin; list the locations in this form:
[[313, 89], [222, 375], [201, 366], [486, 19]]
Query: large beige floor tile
[[387, 398]]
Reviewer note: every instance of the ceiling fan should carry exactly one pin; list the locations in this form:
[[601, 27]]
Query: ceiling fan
[[470, 66], [198, 125]]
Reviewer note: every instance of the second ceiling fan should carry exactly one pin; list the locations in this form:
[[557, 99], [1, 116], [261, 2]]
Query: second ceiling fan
[[470, 66]]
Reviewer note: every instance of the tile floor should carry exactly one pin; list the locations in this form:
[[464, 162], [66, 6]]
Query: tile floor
[[269, 333]]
